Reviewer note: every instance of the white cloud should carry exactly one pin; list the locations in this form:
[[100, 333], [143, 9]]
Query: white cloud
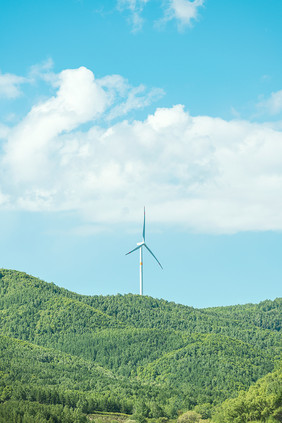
[[123, 97], [135, 100], [135, 7], [42, 68], [78, 100], [184, 11], [272, 105], [43, 71], [10, 85], [203, 173], [36, 147]]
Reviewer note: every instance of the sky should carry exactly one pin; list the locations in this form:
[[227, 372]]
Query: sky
[[175, 105]]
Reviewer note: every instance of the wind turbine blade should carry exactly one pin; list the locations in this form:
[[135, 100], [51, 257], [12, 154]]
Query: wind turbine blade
[[144, 227], [139, 246], [153, 255]]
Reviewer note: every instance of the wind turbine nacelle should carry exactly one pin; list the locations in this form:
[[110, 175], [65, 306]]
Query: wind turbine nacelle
[[140, 243]]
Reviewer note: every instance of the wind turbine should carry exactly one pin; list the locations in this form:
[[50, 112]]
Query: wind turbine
[[140, 246]]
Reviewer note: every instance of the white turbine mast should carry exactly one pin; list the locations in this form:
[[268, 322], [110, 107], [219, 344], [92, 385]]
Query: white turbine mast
[[140, 246]]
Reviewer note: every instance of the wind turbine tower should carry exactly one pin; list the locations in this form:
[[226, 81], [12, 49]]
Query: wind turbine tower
[[140, 246]]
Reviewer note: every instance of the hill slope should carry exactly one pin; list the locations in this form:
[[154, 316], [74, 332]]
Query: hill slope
[[157, 357], [262, 402], [211, 366]]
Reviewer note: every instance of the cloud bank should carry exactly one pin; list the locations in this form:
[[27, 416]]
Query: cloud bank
[[202, 173]]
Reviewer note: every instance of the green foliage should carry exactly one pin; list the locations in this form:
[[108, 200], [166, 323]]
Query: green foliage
[[204, 410], [126, 353], [31, 412], [189, 417], [261, 403], [210, 367], [265, 315]]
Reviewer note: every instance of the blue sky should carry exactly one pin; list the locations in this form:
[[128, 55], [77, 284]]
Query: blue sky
[[173, 104]]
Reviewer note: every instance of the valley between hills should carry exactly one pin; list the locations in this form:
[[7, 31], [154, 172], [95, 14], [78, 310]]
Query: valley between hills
[[66, 357]]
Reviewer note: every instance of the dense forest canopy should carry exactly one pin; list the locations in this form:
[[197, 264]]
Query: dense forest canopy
[[64, 355]]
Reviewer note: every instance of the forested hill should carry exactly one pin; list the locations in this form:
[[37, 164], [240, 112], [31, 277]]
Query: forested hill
[[145, 356], [262, 402]]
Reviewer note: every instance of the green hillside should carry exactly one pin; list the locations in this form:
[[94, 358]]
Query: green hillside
[[212, 367], [33, 372], [261, 403], [126, 353], [152, 313], [266, 315]]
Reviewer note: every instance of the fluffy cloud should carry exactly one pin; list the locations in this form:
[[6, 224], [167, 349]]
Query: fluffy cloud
[[203, 173], [30, 145], [33, 145], [10, 85], [184, 11]]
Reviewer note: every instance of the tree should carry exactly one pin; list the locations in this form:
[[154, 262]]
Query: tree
[[189, 417]]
